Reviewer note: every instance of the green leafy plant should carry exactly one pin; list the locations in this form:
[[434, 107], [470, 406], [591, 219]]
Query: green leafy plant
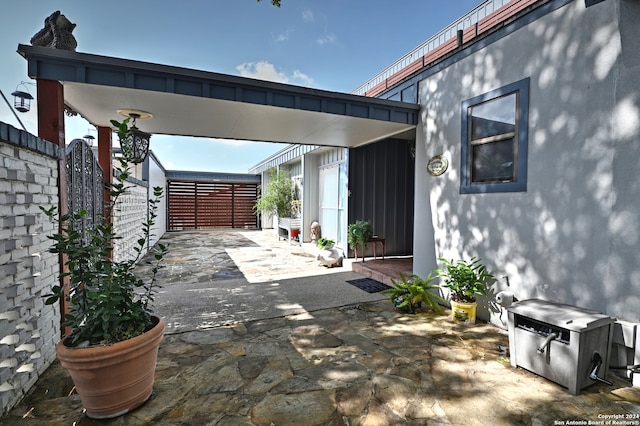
[[410, 292], [465, 279], [358, 233], [278, 196], [325, 243], [107, 302]]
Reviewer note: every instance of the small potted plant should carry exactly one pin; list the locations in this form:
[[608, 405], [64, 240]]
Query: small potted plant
[[409, 293], [325, 243], [465, 280], [358, 233], [328, 256], [111, 349]]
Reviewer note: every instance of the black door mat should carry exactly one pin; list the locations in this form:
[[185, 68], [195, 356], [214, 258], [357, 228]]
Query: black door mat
[[369, 285]]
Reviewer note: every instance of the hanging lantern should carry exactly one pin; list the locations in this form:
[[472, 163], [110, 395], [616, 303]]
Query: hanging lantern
[[135, 147], [89, 138], [22, 99]]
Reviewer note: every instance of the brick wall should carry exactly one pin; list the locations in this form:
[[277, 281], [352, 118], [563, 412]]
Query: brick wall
[[128, 217], [29, 329]]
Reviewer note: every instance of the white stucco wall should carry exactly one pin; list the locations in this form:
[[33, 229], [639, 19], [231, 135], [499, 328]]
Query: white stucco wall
[[574, 235], [157, 178]]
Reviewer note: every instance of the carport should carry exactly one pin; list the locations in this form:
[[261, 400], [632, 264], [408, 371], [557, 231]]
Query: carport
[[172, 100]]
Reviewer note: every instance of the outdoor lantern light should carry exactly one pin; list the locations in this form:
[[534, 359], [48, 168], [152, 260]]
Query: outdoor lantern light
[[89, 139], [22, 99], [135, 147]]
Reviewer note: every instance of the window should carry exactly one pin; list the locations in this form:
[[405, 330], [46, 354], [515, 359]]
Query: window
[[494, 140]]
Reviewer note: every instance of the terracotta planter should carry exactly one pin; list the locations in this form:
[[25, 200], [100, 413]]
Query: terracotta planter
[[463, 313], [113, 380]]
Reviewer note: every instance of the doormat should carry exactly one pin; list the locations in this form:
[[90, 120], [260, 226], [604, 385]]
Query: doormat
[[369, 285]]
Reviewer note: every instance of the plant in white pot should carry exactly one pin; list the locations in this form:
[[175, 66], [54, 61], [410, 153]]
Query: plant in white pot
[[111, 349], [465, 279], [328, 256]]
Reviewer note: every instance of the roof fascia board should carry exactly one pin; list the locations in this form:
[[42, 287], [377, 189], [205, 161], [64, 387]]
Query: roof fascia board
[[63, 65]]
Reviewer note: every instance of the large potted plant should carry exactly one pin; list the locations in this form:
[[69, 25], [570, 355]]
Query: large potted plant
[[277, 196], [410, 292], [111, 348], [465, 279]]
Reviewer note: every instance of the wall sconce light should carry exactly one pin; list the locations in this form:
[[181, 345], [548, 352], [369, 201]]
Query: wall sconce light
[[22, 98]]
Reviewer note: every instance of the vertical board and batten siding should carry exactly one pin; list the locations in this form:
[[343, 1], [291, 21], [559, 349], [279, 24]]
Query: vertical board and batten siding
[[201, 205], [332, 156], [381, 186]]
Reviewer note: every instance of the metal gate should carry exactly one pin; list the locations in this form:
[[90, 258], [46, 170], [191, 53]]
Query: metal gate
[[85, 183], [202, 205]]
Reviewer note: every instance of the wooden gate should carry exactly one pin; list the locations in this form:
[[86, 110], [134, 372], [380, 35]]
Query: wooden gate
[[202, 205]]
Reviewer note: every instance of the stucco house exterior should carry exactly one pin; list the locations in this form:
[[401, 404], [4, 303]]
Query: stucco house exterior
[[563, 222]]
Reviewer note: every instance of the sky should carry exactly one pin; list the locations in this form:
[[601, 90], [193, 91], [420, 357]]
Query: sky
[[334, 45]]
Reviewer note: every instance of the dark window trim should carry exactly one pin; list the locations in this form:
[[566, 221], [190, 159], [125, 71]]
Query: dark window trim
[[520, 184]]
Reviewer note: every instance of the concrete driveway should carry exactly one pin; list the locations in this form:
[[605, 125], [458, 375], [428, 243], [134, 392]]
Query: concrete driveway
[[220, 277]]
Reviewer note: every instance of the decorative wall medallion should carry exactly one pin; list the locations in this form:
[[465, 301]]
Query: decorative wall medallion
[[437, 165]]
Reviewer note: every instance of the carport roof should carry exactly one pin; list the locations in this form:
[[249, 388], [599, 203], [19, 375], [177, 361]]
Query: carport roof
[[205, 104]]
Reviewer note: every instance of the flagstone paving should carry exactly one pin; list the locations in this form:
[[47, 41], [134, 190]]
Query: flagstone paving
[[356, 364]]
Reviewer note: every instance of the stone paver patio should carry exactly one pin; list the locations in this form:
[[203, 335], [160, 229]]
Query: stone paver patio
[[353, 364]]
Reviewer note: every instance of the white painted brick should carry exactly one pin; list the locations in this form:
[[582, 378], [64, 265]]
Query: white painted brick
[[27, 180], [18, 187]]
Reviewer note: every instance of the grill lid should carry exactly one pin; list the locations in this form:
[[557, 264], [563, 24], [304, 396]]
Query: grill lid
[[561, 315]]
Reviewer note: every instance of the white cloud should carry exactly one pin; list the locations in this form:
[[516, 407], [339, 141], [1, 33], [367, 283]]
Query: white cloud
[[326, 39], [307, 16], [264, 70], [279, 38], [302, 78]]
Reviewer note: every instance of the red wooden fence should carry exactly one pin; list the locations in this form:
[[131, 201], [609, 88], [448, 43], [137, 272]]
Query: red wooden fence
[[202, 205]]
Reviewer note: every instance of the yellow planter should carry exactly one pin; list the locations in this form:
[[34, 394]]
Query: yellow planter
[[463, 313]]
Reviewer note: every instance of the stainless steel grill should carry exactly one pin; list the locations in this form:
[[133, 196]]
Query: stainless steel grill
[[563, 343]]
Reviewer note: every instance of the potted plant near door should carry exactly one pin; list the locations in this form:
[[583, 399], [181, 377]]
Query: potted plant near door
[[111, 349], [358, 233], [465, 279]]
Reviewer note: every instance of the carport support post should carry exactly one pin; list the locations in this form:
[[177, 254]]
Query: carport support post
[[51, 128], [105, 158]]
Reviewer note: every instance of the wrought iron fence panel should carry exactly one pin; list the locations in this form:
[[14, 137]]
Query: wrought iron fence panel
[[85, 183]]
